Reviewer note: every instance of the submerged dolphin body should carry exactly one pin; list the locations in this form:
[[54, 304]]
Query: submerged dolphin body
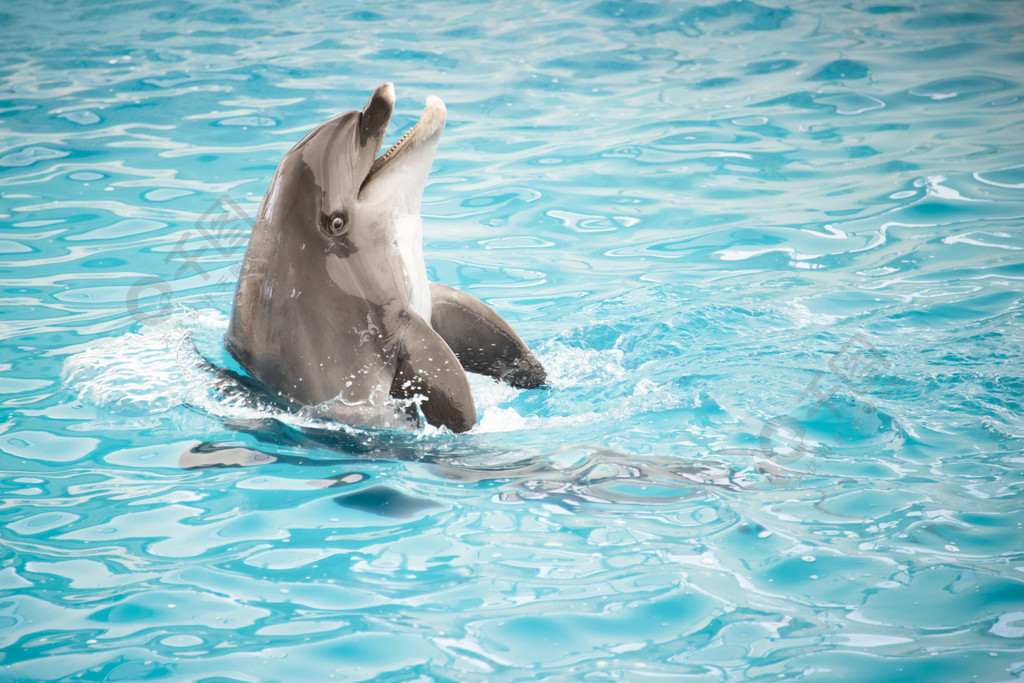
[[333, 308]]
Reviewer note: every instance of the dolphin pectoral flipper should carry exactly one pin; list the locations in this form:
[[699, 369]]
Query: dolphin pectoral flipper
[[428, 368], [482, 341]]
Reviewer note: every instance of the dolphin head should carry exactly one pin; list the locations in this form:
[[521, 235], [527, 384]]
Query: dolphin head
[[361, 194], [332, 194]]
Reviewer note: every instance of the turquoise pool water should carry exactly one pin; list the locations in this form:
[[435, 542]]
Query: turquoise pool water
[[770, 253]]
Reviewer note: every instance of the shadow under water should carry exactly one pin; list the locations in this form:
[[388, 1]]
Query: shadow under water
[[597, 477]]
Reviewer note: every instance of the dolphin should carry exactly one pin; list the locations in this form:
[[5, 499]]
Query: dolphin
[[333, 313]]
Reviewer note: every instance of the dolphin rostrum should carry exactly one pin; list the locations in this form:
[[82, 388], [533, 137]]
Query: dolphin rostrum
[[333, 309]]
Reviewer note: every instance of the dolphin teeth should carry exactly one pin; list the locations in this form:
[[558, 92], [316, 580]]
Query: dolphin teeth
[[379, 161]]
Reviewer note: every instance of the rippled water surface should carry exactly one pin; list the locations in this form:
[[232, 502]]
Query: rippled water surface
[[771, 255]]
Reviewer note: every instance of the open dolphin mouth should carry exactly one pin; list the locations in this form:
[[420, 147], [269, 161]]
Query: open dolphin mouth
[[418, 141], [383, 158]]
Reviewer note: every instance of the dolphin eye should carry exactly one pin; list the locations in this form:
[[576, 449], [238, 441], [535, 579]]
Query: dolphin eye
[[337, 223]]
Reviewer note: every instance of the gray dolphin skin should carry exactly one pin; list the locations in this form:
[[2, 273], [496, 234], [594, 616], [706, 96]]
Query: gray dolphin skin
[[334, 312]]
